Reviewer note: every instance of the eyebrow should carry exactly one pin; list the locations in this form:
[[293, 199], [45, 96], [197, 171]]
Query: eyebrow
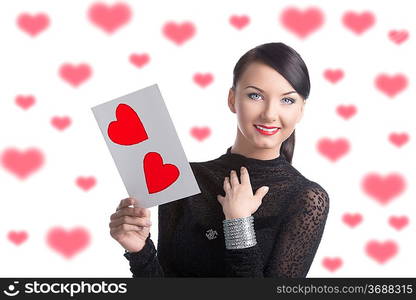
[[263, 91]]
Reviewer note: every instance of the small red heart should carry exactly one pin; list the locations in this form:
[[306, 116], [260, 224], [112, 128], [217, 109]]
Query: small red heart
[[333, 150], [139, 60], [352, 220], [85, 183], [128, 129], [358, 22], [17, 237], [203, 79], [158, 175], [68, 243], [391, 85], [33, 24], [75, 75], [22, 163], [200, 133], [398, 36], [383, 188], [398, 139], [381, 251], [60, 123], [398, 222], [239, 22], [334, 75], [179, 33], [332, 264], [109, 17], [25, 101], [346, 111], [302, 23]]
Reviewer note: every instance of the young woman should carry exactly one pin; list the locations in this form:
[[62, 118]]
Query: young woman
[[227, 230]]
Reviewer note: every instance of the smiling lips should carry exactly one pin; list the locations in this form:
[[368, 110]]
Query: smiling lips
[[266, 130]]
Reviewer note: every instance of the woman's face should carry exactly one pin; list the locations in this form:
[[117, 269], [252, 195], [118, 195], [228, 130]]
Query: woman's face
[[268, 102]]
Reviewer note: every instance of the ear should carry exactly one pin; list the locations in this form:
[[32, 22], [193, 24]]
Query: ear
[[301, 112], [231, 100]]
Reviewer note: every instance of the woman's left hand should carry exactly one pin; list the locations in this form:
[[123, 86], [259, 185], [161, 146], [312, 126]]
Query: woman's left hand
[[239, 201]]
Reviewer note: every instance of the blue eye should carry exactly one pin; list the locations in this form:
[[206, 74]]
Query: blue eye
[[291, 100], [249, 95]]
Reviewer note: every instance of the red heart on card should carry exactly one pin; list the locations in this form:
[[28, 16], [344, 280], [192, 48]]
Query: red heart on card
[[17, 237], [68, 243], [158, 175], [128, 129]]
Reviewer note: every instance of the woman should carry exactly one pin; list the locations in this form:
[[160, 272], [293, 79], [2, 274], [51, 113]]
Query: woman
[[226, 230]]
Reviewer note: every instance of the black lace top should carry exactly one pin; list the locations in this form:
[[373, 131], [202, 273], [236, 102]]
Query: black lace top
[[289, 225]]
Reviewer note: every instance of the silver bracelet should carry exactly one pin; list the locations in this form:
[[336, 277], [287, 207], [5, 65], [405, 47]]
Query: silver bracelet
[[239, 233]]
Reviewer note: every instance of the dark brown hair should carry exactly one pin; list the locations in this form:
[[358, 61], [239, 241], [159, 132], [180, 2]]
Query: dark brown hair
[[290, 65]]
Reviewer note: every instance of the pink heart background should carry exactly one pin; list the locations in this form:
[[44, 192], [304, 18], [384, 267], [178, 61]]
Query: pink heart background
[[59, 186]]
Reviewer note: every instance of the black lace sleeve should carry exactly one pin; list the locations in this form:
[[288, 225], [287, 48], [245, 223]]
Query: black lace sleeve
[[150, 262], [300, 236], [145, 262]]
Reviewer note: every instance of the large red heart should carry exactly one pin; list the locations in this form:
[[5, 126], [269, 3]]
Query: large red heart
[[128, 129], [158, 175]]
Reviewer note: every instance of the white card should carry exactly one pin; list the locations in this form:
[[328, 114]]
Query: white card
[[145, 147]]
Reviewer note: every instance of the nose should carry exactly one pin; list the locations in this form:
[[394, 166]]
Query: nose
[[270, 113]]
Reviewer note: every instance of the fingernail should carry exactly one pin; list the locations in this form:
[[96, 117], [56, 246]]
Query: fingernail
[[265, 188]]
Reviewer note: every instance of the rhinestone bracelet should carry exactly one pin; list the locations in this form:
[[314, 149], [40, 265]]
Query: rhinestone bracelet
[[239, 233]]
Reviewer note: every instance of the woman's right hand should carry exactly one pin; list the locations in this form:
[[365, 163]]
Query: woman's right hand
[[129, 225]]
